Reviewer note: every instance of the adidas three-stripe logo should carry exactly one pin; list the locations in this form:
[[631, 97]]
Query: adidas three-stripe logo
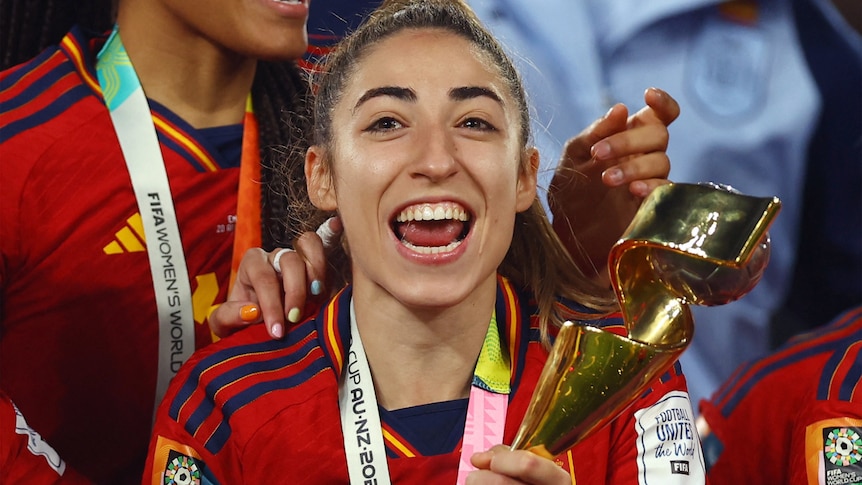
[[129, 239]]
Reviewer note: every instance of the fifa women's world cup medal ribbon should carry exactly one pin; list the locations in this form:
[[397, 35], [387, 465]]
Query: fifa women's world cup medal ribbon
[[688, 244]]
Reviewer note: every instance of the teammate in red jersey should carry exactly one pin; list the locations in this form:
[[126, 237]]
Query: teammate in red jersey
[[80, 340], [424, 156], [24, 455], [792, 417]]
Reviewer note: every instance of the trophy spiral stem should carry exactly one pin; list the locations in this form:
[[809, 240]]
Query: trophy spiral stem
[[687, 244]]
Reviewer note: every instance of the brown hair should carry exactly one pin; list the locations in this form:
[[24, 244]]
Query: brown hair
[[536, 259]]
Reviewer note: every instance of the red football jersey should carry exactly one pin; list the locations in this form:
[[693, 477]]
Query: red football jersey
[[78, 351], [249, 409], [24, 455], [793, 417]]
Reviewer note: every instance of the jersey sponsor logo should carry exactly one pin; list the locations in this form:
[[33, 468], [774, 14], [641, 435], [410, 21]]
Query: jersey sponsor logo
[[669, 449], [833, 451]]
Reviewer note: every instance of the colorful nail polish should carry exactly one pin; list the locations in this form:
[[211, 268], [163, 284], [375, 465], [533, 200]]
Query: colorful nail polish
[[293, 315], [249, 313], [316, 287]]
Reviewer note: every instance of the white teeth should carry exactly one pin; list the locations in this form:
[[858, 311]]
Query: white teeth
[[428, 213], [434, 249]]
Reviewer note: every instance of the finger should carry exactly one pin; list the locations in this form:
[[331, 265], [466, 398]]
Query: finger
[[311, 248], [231, 316], [665, 106], [660, 108], [642, 188], [580, 148], [258, 282], [294, 281], [485, 477], [330, 231], [643, 139], [525, 466], [647, 166]]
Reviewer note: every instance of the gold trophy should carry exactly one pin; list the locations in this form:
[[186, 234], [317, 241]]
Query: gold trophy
[[688, 244]]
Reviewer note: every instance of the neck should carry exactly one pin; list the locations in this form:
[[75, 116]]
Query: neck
[[193, 77], [421, 356]]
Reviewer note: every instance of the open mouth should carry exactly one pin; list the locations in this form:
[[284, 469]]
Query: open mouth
[[432, 228]]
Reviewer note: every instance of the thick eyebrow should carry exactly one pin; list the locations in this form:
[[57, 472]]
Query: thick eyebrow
[[470, 92], [404, 94]]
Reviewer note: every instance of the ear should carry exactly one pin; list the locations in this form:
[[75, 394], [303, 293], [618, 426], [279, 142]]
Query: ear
[[318, 179], [528, 180]]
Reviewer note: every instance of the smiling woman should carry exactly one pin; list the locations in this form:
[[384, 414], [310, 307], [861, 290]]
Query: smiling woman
[[456, 284]]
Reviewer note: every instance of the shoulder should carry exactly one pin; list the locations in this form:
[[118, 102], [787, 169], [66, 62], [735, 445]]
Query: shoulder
[[48, 89], [823, 364], [796, 395], [227, 380]]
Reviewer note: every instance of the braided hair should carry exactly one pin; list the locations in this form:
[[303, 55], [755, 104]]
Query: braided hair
[[29, 26], [281, 100]]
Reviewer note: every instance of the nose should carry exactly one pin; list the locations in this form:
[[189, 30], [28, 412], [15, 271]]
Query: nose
[[436, 156]]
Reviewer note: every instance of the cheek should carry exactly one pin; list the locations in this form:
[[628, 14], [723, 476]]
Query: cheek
[[501, 175]]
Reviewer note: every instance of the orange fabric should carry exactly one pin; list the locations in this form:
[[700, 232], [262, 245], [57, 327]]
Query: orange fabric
[[247, 229]]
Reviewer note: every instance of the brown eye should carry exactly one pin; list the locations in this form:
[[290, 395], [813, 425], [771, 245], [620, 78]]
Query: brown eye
[[478, 124], [384, 124]]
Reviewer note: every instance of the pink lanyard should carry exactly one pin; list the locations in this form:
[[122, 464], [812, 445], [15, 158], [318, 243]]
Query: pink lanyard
[[486, 420]]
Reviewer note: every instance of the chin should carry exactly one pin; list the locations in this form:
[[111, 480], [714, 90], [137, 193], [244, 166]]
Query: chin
[[289, 48], [429, 295]]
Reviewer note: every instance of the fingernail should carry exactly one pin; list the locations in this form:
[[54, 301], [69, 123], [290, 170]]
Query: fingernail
[[249, 313], [639, 188], [277, 330], [602, 150], [316, 287], [614, 175], [611, 110], [293, 315]]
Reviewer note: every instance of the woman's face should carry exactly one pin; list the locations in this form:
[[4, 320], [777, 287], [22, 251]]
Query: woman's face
[[261, 29], [425, 169]]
